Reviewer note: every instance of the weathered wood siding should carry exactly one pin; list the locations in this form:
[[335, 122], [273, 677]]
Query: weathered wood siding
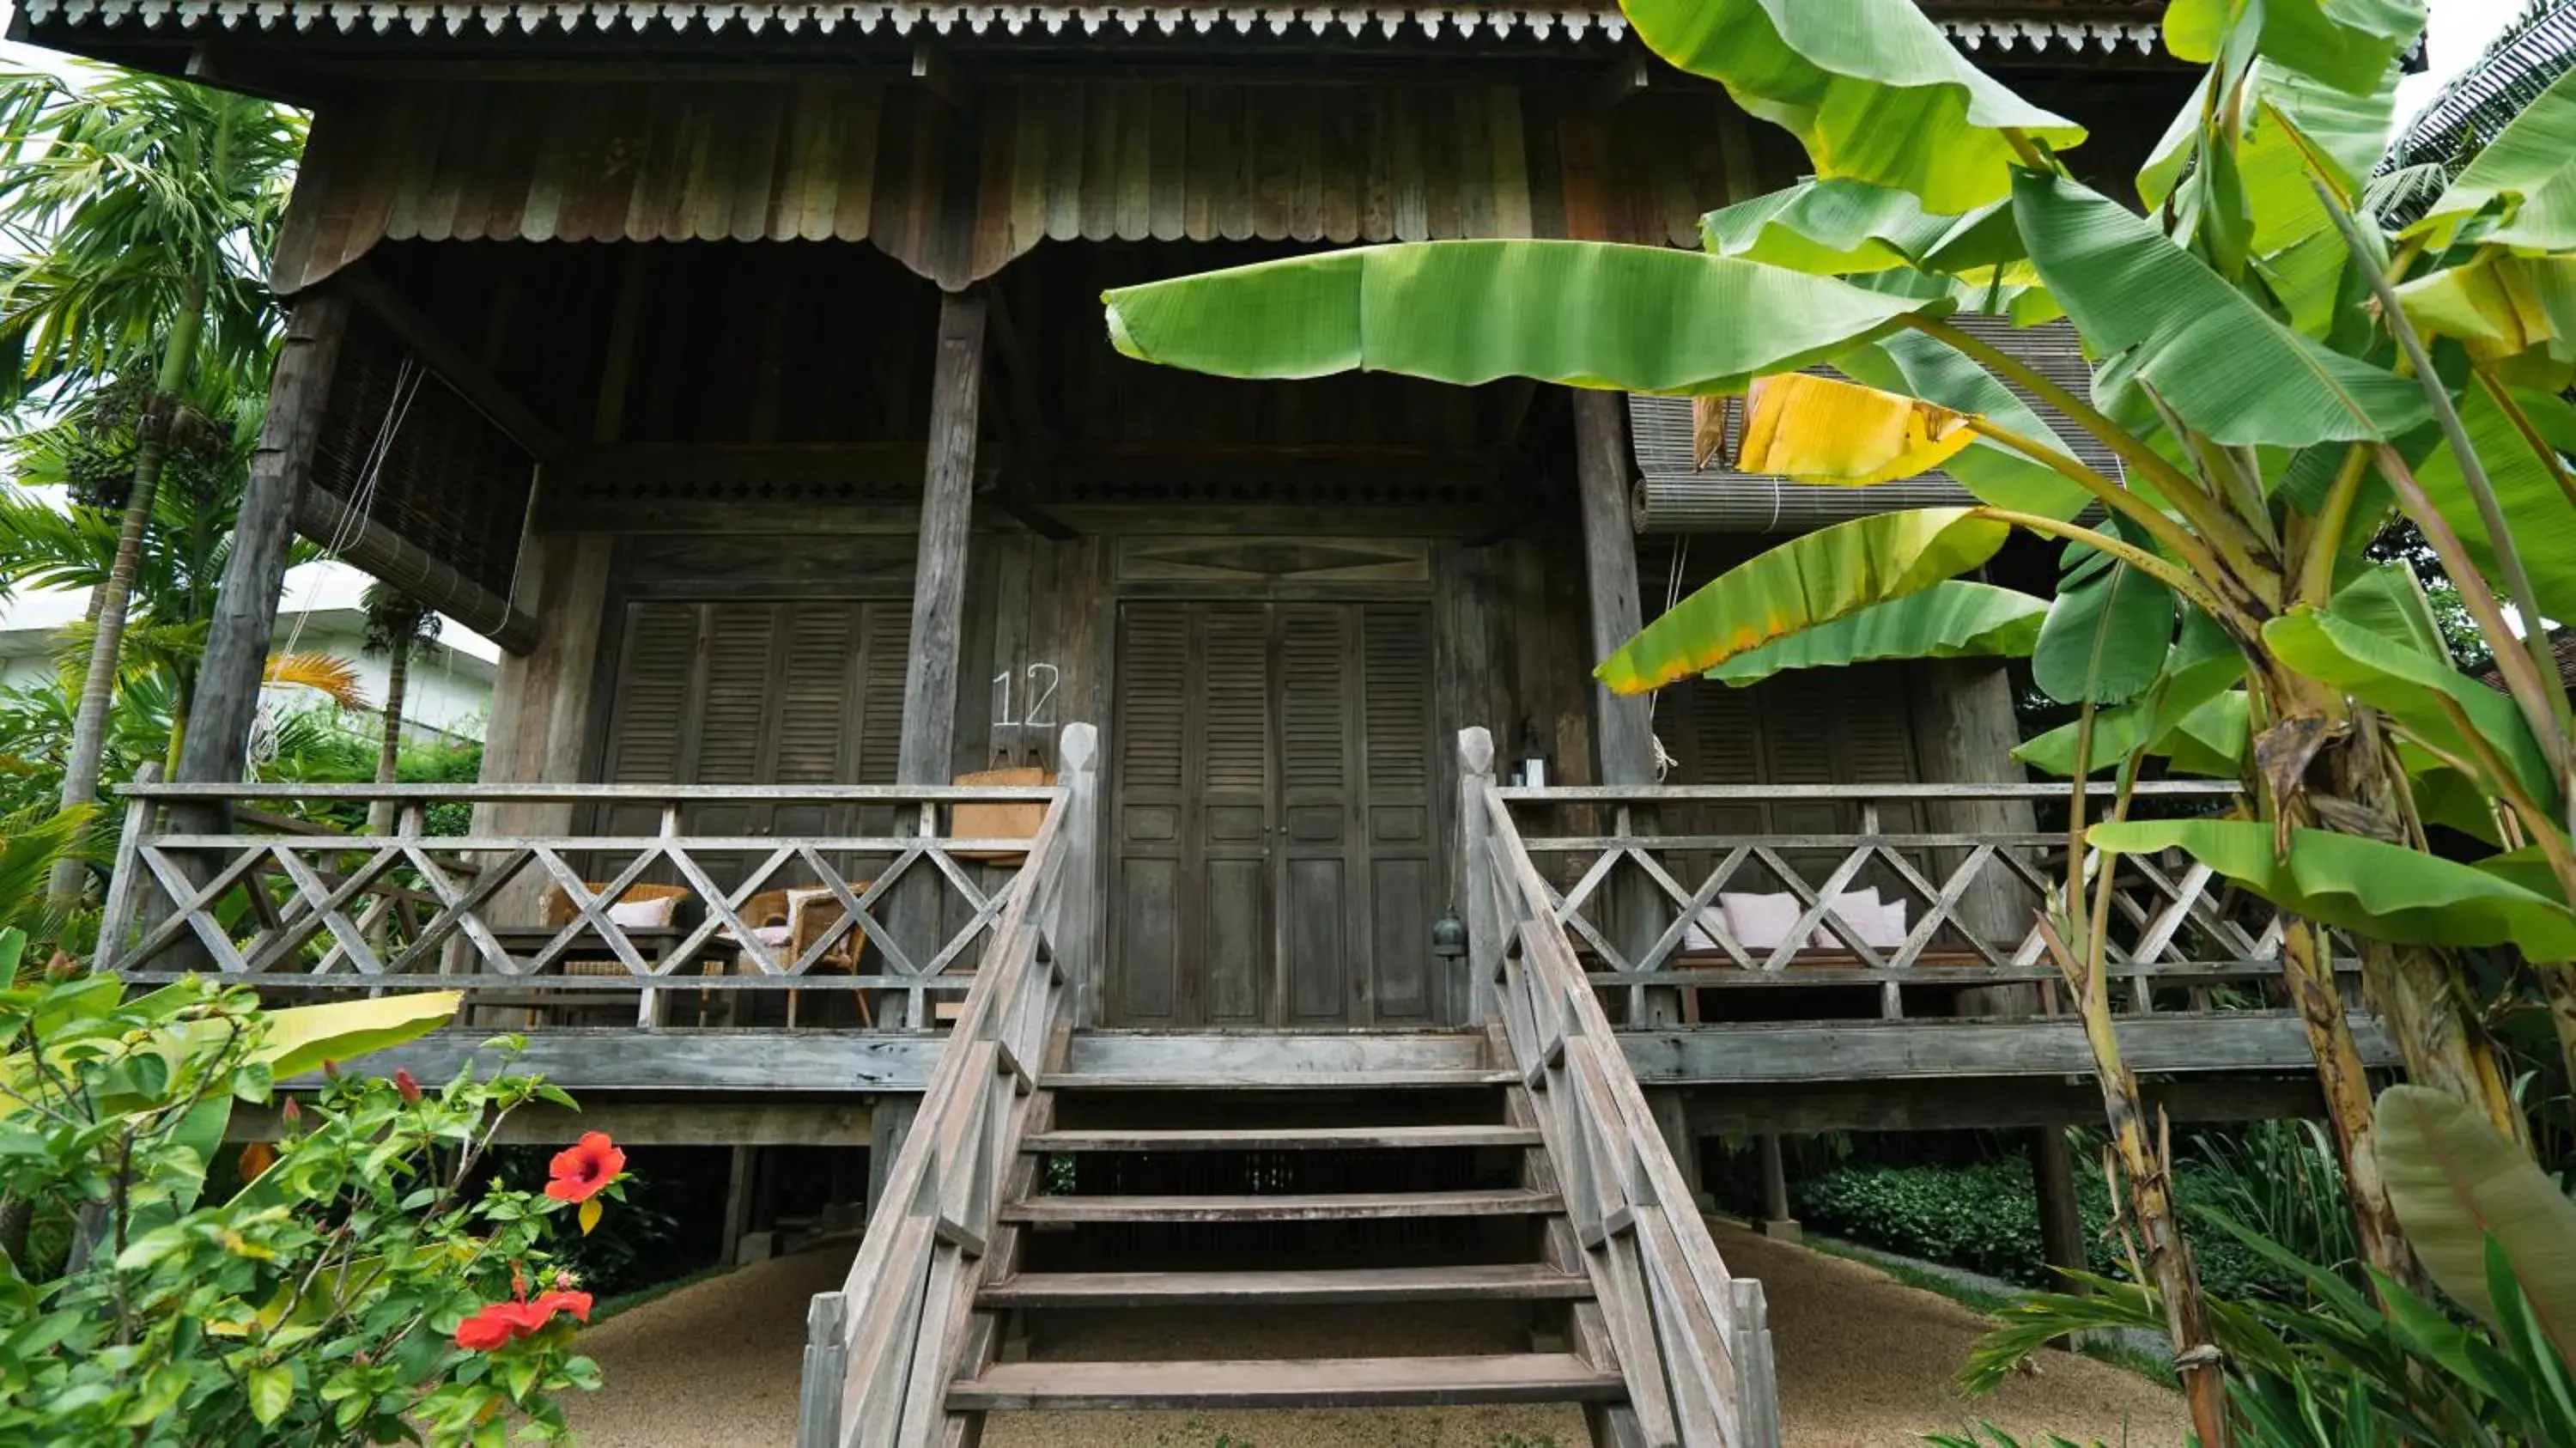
[[955, 194]]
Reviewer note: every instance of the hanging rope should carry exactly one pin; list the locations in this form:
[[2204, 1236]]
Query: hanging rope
[[1677, 566]]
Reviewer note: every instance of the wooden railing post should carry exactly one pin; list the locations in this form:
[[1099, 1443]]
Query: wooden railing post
[[1757, 1390], [827, 1365], [1081, 910], [125, 876], [1476, 876]]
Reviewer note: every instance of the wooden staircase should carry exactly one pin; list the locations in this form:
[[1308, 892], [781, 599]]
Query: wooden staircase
[[1059, 1185], [1282, 1175]]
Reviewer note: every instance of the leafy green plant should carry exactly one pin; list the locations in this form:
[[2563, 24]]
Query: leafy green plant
[[355, 1286]]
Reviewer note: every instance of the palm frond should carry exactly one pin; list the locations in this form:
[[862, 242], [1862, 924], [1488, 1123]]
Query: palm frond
[[333, 677]]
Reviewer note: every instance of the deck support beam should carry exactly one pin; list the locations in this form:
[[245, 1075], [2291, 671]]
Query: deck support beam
[[237, 640], [1776, 1221]]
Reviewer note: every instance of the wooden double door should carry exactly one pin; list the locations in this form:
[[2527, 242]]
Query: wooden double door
[[1274, 827]]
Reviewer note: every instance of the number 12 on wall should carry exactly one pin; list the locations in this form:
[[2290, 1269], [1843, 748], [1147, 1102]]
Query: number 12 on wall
[[1041, 695]]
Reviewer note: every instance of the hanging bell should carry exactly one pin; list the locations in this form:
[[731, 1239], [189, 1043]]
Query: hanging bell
[[1449, 936]]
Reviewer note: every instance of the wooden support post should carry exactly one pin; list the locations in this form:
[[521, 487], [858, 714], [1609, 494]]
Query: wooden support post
[[1672, 1121], [888, 1124], [1623, 725], [237, 639], [1776, 1221], [2061, 1223], [1964, 733], [927, 751], [1485, 942], [737, 1209]]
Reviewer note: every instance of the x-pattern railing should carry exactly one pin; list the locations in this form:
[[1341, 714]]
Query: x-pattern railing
[[281, 901], [2173, 922]]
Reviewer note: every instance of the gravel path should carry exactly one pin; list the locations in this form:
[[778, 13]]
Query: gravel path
[[1865, 1362]]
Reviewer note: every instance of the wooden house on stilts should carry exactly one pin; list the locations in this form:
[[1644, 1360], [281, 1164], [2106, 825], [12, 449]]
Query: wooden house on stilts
[[1164, 826]]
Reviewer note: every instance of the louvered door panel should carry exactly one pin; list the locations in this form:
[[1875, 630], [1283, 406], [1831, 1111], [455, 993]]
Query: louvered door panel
[[1397, 812], [818, 650], [737, 741], [1317, 908], [649, 732], [1152, 742], [886, 650], [1234, 791]]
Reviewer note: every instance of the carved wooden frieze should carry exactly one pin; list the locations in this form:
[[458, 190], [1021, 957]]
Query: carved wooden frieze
[[1273, 560]]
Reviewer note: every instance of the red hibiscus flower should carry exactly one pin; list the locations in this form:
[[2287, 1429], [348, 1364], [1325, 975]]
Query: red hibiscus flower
[[506, 1322], [581, 1169]]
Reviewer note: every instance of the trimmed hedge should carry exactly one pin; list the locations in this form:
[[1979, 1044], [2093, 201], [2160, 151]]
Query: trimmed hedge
[[1985, 1217]]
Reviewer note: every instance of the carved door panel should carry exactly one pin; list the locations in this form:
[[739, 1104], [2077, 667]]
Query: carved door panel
[[1271, 816]]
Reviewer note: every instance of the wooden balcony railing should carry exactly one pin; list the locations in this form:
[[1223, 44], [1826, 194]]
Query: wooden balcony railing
[[1636, 880], [284, 887], [1690, 1338]]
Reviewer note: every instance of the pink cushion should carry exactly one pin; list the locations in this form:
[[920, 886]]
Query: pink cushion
[[1858, 911], [1759, 922], [643, 914]]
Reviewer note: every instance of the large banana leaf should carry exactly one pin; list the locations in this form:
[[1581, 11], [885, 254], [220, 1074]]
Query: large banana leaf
[[1827, 226], [2208, 741], [2455, 1182], [1593, 314], [2528, 170], [301, 1038], [1824, 430], [1810, 580], [1931, 369], [2297, 123], [2108, 632], [2224, 365], [1871, 87], [2411, 687], [2384, 891], [2346, 43], [1948, 620], [2544, 526]]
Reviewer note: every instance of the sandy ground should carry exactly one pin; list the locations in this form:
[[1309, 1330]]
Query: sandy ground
[[1865, 1362]]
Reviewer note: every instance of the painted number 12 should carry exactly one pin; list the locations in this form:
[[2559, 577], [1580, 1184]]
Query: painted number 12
[[1042, 682]]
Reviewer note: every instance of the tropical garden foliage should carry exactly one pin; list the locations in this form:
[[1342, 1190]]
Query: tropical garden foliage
[[2282, 378], [360, 1279]]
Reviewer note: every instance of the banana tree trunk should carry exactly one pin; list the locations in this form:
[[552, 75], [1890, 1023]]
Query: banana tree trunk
[[2558, 987], [380, 815], [98, 686], [2308, 968], [2145, 1167]]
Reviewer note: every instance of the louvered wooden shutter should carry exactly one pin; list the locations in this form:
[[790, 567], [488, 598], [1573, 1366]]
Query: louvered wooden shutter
[[1150, 738], [886, 642], [1231, 685], [1317, 692], [648, 728], [1397, 803]]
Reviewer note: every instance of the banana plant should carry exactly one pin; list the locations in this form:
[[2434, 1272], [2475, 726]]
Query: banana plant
[[2278, 376]]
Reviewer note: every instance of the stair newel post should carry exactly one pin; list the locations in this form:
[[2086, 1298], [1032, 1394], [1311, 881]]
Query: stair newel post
[[1757, 1395], [827, 1366], [1079, 947], [1476, 876]]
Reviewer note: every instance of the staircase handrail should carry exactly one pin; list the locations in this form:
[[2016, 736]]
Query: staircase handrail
[[1690, 1338], [884, 1348]]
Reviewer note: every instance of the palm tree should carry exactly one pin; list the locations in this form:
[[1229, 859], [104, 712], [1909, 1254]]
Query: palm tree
[[397, 623], [142, 203]]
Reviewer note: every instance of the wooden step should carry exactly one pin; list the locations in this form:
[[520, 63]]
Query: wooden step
[[1202, 1080], [1282, 1138], [1507, 1281], [1414, 1382], [1118, 1053], [1285, 1207]]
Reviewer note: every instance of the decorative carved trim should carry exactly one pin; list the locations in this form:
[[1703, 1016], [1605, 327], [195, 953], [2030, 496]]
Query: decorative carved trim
[[1269, 560]]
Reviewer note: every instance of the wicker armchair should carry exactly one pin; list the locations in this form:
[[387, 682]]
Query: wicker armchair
[[810, 915], [555, 910]]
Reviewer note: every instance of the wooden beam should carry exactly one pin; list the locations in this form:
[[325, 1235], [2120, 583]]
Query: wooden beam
[[616, 1058], [650, 1123], [442, 354], [947, 508], [217, 747], [2245, 1042], [1986, 1104]]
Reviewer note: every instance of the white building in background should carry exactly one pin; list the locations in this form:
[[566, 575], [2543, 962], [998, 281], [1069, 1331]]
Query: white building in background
[[448, 693]]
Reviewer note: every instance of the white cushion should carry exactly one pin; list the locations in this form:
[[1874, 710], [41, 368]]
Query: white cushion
[[1702, 933], [772, 934], [643, 914], [1858, 911], [1891, 925], [1759, 922], [797, 900]]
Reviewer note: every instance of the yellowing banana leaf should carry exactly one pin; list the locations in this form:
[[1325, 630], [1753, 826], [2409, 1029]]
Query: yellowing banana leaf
[[1948, 620], [2223, 364], [1592, 314], [2499, 305], [2528, 172], [1931, 369], [301, 1038], [2544, 526], [2346, 43], [1810, 580], [1871, 87], [1817, 430], [2409, 686], [2385, 891], [2454, 1181]]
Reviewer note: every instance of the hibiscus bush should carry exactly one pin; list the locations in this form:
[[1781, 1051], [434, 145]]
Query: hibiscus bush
[[360, 1278]]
